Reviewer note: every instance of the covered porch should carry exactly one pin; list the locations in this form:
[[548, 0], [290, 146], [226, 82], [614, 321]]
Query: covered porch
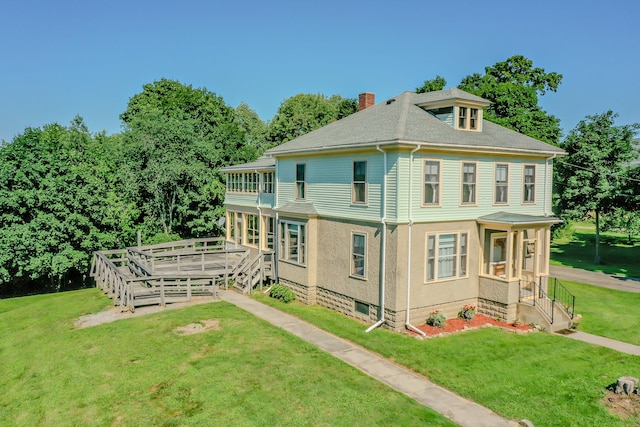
[[514, 260]]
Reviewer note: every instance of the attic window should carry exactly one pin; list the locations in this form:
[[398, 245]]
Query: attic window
[[468, 118], [443, 114]]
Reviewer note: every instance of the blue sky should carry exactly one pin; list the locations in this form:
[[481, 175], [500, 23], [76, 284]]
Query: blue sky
[[62, 58]]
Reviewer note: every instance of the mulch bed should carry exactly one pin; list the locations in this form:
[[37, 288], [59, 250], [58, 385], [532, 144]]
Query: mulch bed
[[478, 321]]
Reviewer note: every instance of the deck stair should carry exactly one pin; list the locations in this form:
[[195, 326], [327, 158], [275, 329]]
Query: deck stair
[[174, 272]]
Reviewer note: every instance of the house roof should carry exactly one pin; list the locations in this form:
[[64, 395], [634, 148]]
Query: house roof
[[509, 218], [261, 163], [402, 120], [298, 208]]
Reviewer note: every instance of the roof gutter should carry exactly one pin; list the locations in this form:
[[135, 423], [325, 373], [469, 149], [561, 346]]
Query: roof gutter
[[383, 244]]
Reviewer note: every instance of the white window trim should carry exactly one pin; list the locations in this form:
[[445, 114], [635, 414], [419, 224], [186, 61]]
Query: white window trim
[[458, 256], [432, 205], [467, 118], [495, 183], [351, 259], [285, 250], [264, 233], [494, 237], [462, 183], [366, 183], [256, 234], [535, 183]]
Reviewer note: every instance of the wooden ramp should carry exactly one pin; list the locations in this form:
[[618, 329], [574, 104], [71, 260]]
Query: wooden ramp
[[170, 272]]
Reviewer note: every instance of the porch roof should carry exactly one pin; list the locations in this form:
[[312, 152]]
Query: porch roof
[[298, 208], [508, 218]]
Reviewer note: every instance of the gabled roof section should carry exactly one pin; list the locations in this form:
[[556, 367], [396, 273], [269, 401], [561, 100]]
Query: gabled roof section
[[261, 163], [401, 119]]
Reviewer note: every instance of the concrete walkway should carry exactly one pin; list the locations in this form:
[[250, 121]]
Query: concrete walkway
[[458, 409], [595, 278], [602, 280]]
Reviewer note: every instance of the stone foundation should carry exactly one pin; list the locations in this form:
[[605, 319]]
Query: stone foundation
[[305, 294], [496, 310]]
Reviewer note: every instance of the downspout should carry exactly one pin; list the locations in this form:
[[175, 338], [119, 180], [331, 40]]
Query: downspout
[[276, 237], [407, 323], [546, 177], [383, 243]]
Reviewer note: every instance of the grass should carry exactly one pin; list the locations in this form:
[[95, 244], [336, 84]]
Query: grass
[[138, 372], [576, 248], [548, 379], [607, 312]]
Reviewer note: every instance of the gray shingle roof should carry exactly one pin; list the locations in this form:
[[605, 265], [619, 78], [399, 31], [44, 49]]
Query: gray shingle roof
[[298, 208], [261, 163], [518, 219], [401, 120]]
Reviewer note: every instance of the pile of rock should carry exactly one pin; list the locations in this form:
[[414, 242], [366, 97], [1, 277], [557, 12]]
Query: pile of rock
[[626, 385]]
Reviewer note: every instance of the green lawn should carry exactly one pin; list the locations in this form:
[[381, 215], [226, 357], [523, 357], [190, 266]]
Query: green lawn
[[607, 312], [138, 372], [549, 379], [577, 249]]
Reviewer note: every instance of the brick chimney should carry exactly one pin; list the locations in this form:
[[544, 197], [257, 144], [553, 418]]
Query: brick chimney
[[366, 99]]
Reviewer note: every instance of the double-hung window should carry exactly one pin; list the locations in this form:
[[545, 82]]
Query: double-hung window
[[359, 183], [529, 190], [269, 231], [301, 181], [267, 182], [446, 256], [253, 235], [431, 182], [358, 255], [502, 184], [469, 177], [462, 117], [293, 242]]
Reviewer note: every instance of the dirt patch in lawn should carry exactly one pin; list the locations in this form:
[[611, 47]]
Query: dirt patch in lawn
[[198, 328], [624, 406], [478, 321]]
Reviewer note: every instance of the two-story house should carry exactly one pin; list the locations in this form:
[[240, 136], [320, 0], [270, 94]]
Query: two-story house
[[407, 206]]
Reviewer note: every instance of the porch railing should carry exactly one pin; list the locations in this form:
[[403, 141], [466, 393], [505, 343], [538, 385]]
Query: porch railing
[[557, 295], [561, 295]]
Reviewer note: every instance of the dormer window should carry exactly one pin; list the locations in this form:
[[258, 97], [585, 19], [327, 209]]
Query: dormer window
[[462, 117], [468, 118]]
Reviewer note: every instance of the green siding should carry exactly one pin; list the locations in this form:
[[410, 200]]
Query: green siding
[[329, 184], [450, 181]]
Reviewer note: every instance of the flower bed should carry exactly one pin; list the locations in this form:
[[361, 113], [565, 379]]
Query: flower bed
[[478, 321]]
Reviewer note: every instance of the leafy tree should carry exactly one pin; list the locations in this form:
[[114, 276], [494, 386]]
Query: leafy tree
[[177, 138], [303, 113], [513, 86], [592, 173], [438, 83], [623, 221], [254, 128], [52, 211]]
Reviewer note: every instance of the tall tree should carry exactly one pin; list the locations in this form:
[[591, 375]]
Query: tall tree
[[513, 87], [438, 83], [254, 128], [303, 113], [592, 173], [53, 182], [177, 138]]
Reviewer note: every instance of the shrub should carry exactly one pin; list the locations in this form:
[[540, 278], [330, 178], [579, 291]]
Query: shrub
[[468, 312], [437, 319], [282, 293]]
